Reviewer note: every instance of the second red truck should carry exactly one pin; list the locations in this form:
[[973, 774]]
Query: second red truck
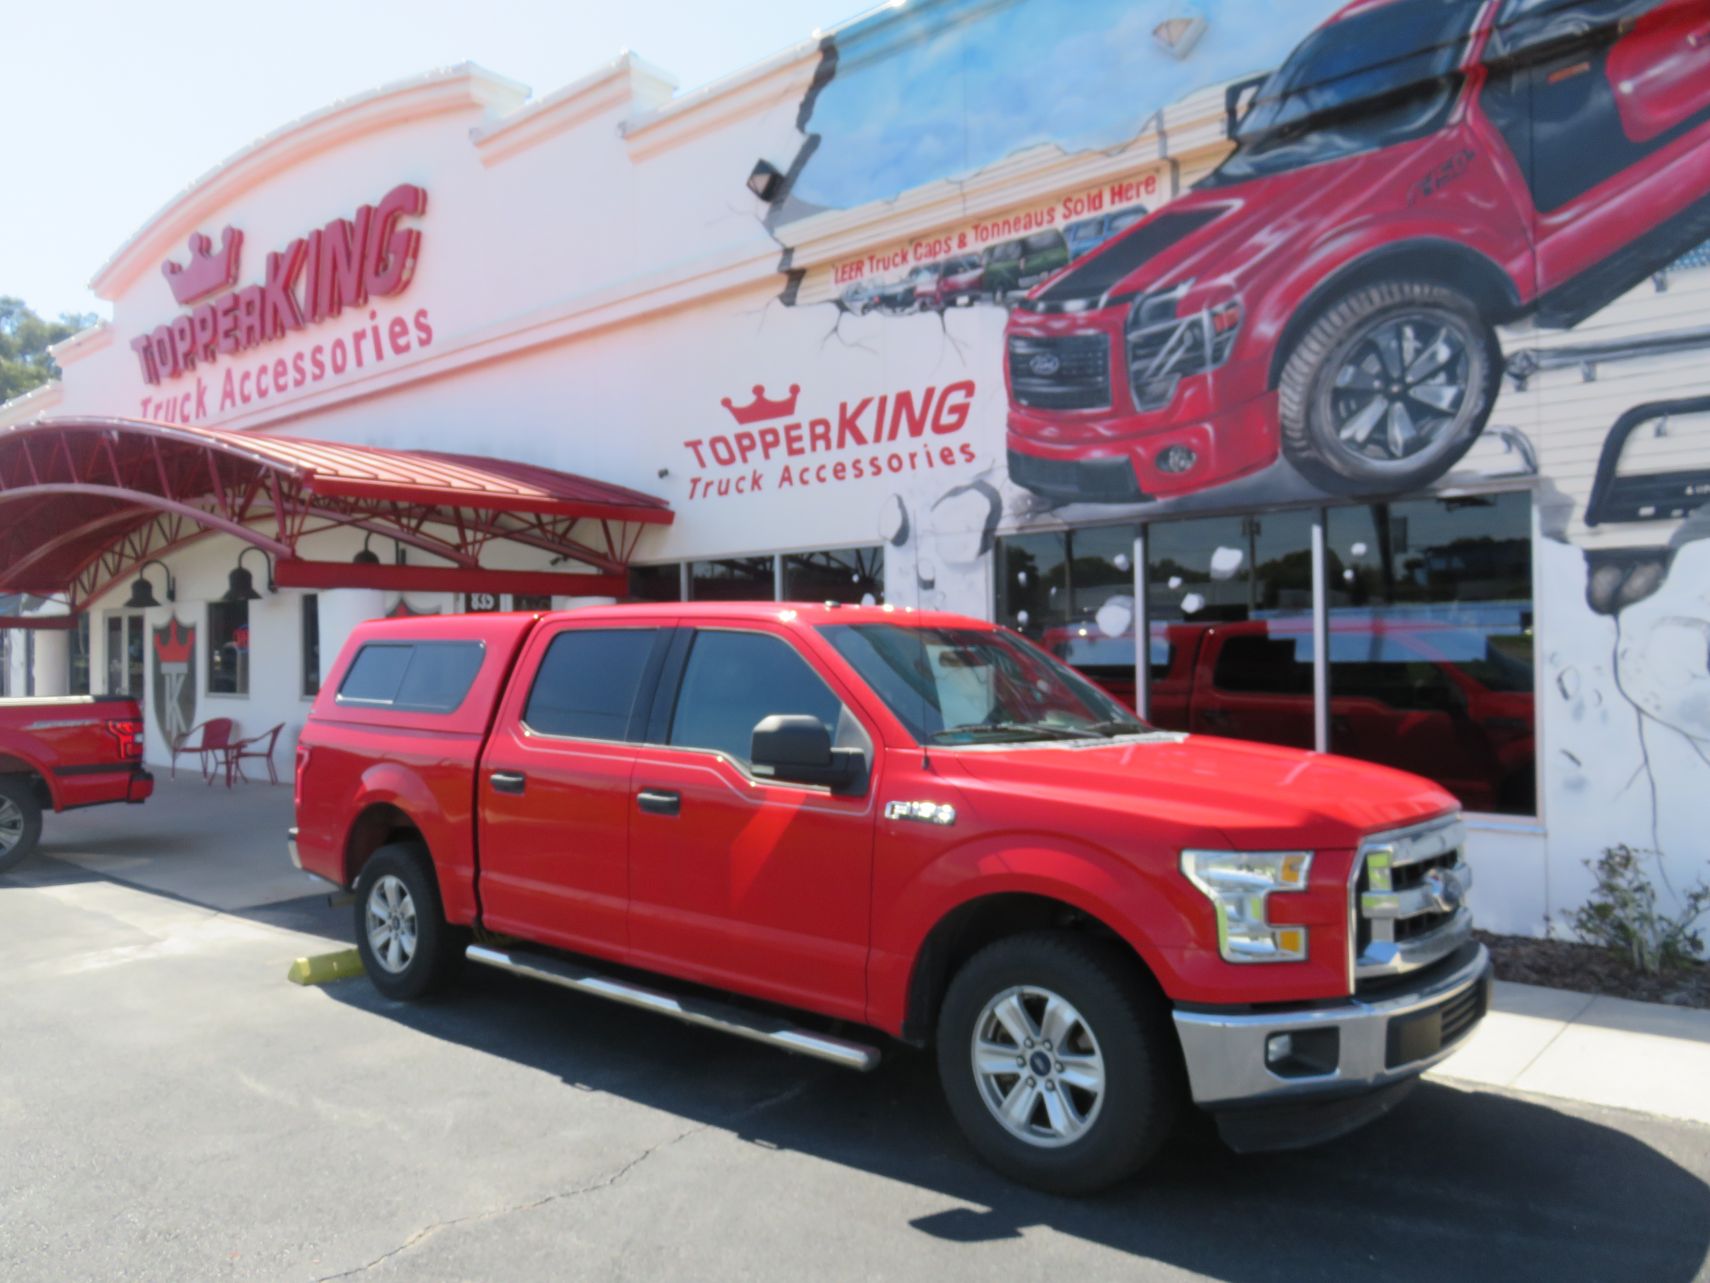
[[910, 823]]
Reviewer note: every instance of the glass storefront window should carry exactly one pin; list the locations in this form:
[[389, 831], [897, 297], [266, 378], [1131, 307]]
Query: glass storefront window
[[228, 648], [1431, 643], [1032, 583], [656, 583], [1229, 603], [77, 680], [1073, 593], [853, 576], [738, 579], [311, 645]]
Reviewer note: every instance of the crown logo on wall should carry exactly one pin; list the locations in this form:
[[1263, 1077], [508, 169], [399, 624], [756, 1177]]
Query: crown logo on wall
[[172, 643], [207, 272], [761, 408]]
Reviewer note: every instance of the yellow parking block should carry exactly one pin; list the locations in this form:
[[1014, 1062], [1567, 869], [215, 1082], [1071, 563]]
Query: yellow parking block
[[323, 967]]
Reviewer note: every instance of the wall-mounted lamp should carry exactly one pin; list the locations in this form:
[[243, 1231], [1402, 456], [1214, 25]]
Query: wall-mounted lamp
[[240, 584], [142, 592], [367, 557], [765, 180]]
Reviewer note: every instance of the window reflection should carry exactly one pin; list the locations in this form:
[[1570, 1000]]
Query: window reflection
[[1431, 643], [853, 576]]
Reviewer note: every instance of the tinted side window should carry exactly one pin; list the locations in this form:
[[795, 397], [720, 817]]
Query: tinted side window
[[732, 680], [419, 677], [589, 681], [375, 674], [1266, 665]]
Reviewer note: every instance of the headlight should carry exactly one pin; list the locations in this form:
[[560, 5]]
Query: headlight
[[1239, 885]]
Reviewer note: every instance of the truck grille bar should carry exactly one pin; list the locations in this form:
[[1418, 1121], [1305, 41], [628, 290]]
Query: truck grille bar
[[1409, 899]]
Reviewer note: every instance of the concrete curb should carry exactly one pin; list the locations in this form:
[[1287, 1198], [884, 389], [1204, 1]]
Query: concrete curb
[[323, 967], [1640, 1056]]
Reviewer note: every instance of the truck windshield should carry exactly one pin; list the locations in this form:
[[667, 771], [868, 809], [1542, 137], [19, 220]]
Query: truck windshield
[[971, 686], [1379, 77]]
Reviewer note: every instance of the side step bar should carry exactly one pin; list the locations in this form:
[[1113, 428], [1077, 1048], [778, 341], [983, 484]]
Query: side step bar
[[693, 1011]]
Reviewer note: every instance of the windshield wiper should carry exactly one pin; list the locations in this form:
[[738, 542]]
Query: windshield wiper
[[1023, 730], [1120, 726]]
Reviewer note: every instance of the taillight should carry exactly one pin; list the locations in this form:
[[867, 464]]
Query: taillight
[[128, 735], [297, 781]]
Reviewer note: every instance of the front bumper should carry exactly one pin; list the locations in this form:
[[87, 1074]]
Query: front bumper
[[1358, 1047]]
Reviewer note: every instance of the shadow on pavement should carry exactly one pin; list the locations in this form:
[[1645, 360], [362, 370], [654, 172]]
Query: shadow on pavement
[[1452, 1185]]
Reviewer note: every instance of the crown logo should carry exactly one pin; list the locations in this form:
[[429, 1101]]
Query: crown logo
[[173, 642], [762, 409], [206, 272]]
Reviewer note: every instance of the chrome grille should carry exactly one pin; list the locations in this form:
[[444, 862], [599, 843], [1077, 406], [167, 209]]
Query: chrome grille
[[1067, 373], [1409, 898]]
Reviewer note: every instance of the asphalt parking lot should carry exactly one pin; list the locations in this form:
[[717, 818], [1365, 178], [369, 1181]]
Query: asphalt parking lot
[[170, 1107]]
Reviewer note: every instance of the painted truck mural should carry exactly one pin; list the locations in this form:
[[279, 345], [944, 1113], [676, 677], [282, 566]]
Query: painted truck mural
[[1439, 264]]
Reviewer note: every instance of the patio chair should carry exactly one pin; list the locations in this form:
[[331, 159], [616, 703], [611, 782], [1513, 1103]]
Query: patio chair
[[240, 751], [216, 734]]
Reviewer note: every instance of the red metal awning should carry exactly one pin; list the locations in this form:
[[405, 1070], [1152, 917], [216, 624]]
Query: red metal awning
[[83, 502]]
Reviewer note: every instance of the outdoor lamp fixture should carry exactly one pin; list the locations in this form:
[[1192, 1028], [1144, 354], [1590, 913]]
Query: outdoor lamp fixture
[[765, 180], [241, 584], [142, 592], [367, 557]]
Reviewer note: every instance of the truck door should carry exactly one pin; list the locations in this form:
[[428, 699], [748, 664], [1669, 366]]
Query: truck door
[[745, 883], [554, 804]]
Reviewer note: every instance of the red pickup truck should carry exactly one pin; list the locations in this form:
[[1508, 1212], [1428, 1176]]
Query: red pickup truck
[[1415, 173], [906, 822], [61, 754]]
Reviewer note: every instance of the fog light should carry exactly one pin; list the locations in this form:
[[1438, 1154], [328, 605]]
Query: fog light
[[1304, 1053], [1177, 459], [1278, 1048]]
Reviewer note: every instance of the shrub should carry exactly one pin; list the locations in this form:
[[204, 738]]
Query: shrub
[[1622, 914]]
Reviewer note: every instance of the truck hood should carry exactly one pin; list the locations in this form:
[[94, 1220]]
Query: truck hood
[[1258, 796], [1212, 233]]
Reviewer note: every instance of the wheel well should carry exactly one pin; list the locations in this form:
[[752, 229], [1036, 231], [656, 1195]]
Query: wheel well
[[378, 826], [10, 765], [970, 927], [1438, 262]]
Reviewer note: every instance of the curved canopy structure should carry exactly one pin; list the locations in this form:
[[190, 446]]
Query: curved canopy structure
[[84, 501]]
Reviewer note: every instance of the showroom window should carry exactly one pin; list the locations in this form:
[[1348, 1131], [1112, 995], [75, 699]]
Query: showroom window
[[736, 579], [853, 576], [1430, 606], [77, 679], [228, 648], [656, 583], [1073, 593], [1426, 612]]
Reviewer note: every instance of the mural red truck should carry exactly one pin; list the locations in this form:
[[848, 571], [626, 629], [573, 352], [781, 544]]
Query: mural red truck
[[912, 822], [1417, 172], [61, 754]]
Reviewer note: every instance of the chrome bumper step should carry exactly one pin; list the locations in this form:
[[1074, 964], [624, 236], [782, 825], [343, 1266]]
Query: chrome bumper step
[[690, 1010]]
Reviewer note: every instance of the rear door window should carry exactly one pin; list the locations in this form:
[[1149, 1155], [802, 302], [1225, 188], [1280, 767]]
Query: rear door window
[[590, 683]]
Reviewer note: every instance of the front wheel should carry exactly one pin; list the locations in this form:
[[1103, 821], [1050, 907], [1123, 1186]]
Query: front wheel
[[408, 949], [1057, 1061], [20, 821], [1388, 388]]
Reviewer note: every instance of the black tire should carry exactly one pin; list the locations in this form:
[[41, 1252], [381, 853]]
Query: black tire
[[21, 815], [1126, 1027], [1315, 410], [436, 955]]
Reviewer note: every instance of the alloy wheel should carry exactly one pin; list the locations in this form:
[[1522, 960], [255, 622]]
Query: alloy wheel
[[11, 825], [1038, 1066], [1401, 387], [391, 923]]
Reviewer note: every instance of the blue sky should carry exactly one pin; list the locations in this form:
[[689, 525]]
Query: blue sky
[[946, 87], [115, 107]]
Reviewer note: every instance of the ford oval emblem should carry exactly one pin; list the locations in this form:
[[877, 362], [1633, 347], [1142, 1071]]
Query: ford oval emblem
[[1445, 890], [1045, 364]]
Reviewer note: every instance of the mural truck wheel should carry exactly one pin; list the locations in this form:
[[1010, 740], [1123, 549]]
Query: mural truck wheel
[[1388, 388], [20, 821]]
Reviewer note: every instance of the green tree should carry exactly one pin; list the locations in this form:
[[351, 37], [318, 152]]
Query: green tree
[[24, 342]]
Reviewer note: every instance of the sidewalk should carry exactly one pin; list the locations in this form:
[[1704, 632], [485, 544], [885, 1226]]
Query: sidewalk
[[1640, 1056]]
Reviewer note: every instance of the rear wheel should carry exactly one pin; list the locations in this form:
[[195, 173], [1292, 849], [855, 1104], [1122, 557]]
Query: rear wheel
[[408, 949], [1057, 1061], [1388, 388], [20, 821]]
